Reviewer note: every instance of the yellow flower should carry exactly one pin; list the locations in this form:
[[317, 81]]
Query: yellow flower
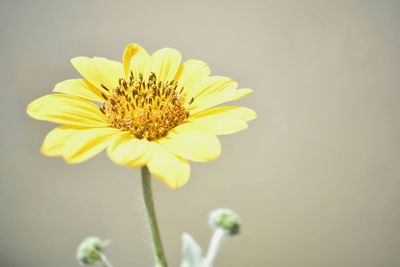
[[150, 110]]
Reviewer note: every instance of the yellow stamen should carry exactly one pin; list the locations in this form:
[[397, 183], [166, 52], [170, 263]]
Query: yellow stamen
[[147, 109]]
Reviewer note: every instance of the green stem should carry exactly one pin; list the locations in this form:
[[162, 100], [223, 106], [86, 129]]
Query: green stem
[[152, 219], [104, 261]]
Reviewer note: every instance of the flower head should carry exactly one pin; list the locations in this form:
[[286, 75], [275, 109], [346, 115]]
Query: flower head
[[90, 250], [149, 110], [225, 219]]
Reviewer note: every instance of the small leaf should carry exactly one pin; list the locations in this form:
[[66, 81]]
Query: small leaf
[[191, 252]]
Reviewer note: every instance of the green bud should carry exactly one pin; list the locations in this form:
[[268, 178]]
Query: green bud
[[225, 219], [90, 250]]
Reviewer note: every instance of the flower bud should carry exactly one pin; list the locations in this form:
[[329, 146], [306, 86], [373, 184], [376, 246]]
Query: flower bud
[[90, 250], [226, 220]]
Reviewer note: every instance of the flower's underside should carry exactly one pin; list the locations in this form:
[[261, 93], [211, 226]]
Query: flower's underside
[[150, 110]]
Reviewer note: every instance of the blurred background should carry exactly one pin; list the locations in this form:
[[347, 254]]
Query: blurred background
[[316, 178]]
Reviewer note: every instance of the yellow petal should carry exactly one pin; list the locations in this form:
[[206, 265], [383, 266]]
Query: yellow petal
[[218, 98], [129, 151], [81, 88], [192, 73], [224, 120], [99, 71], [211, 85], [172, 170], [66, 109], [192, 142], [137, 60], [85, 144], [165, 63], [54, 142]]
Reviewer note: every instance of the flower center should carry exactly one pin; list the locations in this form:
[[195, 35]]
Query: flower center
[[145, 109]]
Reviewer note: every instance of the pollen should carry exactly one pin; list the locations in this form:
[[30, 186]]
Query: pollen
[[147, 108]]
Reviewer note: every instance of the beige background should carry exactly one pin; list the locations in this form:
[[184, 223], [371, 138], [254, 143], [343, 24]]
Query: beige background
[[316, 177]]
